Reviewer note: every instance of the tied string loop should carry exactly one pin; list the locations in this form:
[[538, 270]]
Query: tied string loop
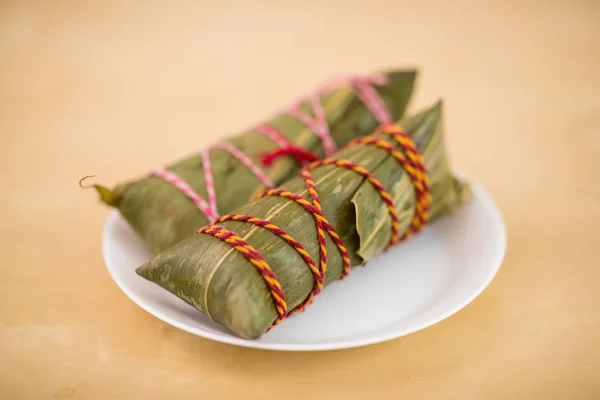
[[301, 155], [365, 91], [411, 161]]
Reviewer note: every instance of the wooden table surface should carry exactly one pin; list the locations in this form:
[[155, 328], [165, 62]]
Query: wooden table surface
[[114, 89]]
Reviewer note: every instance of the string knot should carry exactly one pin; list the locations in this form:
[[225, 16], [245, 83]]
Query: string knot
[[303, 156]]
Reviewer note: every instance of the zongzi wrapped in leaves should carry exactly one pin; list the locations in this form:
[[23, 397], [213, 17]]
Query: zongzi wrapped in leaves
[[171, 203], [251, 268]]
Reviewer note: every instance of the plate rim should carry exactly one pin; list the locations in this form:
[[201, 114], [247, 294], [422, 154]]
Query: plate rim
[[478, 191]]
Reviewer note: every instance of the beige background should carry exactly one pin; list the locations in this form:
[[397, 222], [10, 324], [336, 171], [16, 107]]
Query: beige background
[[113, 89]]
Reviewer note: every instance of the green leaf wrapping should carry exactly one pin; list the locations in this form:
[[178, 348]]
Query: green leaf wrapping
[[163, 216], [217, 280]]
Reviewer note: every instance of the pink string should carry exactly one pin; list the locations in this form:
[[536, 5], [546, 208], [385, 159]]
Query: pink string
[[244, 159], [273, 134], [209, 181], [363, 85], [365, 92], [186, 189], [208, 175], [318, 124]]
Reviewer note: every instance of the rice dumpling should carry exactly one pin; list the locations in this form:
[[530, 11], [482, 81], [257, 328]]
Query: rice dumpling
[[170, 203], [252, 268]]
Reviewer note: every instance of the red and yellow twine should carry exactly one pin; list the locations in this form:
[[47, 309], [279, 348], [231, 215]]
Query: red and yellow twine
[[412, 161]]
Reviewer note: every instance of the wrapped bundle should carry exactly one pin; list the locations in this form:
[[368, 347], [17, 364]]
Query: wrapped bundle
[[251, 269], [170, 203]]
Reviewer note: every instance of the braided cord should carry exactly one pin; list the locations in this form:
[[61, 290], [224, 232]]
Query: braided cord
[[411, 161]]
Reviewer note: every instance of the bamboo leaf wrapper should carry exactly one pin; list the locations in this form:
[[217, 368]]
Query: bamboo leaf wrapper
[[162, 215], [217, 280]]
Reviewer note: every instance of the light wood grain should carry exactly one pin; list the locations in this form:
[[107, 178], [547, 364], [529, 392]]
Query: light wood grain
[[113, 89]]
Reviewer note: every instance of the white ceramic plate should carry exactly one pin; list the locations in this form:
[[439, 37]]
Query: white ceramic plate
[[415, 285]]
